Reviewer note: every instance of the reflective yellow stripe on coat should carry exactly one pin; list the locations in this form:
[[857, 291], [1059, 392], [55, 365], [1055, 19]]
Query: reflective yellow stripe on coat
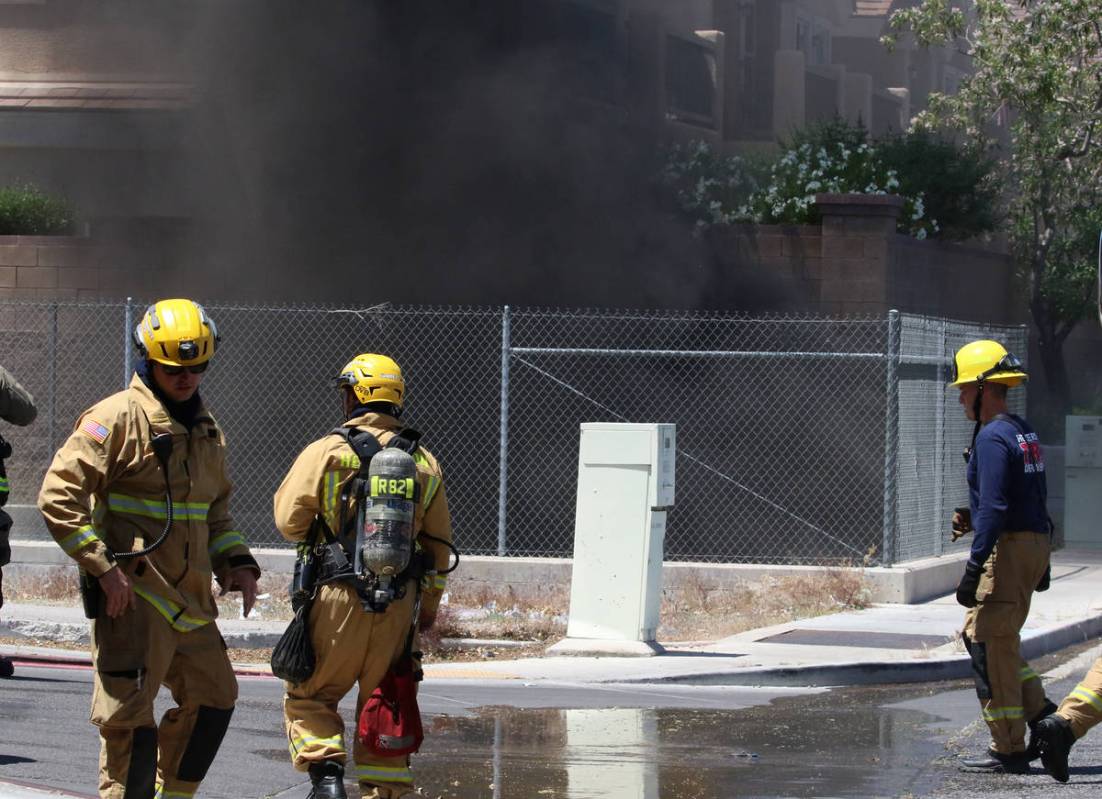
[[173, 613], [136, 506], [81, 537], [225, 541]]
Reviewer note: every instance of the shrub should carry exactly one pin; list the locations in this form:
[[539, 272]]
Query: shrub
[[708, 187], [957, 183], [800, 174], [948, 190], [26, 211], [827, 134]]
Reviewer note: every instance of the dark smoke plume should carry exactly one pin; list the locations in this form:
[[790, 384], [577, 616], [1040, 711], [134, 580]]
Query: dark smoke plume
[[416, 152]]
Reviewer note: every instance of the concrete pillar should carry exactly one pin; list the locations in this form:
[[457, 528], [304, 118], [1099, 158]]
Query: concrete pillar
[[858, 107], [857, 234], [904, 96], [789, 91], [718, 40], [838, 74], [859, 214]]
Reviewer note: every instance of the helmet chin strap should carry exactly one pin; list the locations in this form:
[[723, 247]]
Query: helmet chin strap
[[976, 403]]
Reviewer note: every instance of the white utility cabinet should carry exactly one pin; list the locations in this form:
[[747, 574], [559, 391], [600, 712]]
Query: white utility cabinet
[[625, 490], [1083, 481]]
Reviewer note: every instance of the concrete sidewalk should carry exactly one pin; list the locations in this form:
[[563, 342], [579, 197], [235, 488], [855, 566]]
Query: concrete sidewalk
[[881, 644]]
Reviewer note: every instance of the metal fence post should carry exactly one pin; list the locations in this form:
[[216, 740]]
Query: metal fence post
[[52, 432], [127, 338], [891, 439], [503, 454], [939, 448]]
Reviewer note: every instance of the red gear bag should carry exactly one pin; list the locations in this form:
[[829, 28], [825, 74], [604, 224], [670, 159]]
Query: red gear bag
[[390, 722]]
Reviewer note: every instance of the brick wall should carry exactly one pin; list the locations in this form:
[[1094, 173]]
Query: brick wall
[[69, 267], [855, 263]]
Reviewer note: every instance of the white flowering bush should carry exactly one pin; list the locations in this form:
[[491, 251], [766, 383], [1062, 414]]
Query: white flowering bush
[[708, 187], [830, 168]]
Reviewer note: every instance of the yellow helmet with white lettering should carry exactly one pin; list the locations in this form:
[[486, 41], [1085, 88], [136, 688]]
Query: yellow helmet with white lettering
[[374, 378]]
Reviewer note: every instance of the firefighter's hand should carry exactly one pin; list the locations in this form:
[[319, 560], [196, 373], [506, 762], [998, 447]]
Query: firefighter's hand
[[426, 620], [962, 522], [243, 580], [969, 583], [117, 591]]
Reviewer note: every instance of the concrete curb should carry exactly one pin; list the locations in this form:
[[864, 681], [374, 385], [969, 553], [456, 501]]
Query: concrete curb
[[871, 672], [31, 655], [931, 669]]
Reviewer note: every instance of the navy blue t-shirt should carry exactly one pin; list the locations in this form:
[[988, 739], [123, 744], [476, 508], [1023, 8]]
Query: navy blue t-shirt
[[1006, 484]]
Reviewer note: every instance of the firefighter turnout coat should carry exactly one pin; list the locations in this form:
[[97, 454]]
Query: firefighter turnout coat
[[105, 491]]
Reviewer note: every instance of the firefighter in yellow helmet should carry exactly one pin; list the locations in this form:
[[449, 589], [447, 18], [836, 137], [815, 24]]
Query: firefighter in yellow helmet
[[357, 633], [1009, 559], [138, 496]]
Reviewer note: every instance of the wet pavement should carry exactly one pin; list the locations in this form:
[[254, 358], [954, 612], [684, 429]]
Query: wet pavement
[[557, 740], [853, 742]]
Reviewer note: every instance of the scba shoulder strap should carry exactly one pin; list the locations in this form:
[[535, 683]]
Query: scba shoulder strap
[[366, 445]]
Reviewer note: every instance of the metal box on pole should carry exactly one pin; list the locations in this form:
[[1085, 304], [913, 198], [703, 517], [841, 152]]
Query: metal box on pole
[[1083, 481], [625, 490]]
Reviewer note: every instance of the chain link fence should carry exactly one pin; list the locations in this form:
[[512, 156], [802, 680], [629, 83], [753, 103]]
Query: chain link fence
[[801, 440], [933, 432]]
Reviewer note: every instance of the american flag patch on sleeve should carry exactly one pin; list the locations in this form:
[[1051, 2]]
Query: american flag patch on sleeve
[[94, 429]]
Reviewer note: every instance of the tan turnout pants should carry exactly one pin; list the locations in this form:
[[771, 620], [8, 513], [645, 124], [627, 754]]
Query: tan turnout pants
[[1083, 706], [1010, 692], [352, 647], [133, 656]]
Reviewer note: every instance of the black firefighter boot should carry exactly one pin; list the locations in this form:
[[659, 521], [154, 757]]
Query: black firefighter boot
[[1055, 739], [996, 763], [7, 668], [328, 780], [1033, 751]]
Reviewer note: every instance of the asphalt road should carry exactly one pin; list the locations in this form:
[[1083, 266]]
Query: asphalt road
[[508, 739]]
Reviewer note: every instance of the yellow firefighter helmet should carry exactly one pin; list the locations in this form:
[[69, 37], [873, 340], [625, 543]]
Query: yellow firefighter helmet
[[986, 361], [374, 378], [176, 333]]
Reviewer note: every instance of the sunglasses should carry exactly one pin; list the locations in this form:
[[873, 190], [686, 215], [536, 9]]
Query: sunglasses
[[172, 370]]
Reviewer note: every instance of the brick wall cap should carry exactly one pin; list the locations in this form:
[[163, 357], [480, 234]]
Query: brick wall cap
[[63, 240], [859, 204]]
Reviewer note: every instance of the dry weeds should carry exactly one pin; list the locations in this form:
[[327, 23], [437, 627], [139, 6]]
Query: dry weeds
[[692, 610]]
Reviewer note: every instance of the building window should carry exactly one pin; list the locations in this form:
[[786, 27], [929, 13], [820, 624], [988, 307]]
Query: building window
[[813, 39], [690, 81]]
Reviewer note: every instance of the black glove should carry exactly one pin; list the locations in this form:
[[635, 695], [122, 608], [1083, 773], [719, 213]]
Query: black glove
[[1046, 579], [962, 522], [966, 591]]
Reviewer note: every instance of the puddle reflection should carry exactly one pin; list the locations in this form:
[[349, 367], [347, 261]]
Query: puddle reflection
[[810, 747]]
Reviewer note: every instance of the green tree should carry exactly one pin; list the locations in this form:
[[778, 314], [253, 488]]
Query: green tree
[[1038, 67]]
